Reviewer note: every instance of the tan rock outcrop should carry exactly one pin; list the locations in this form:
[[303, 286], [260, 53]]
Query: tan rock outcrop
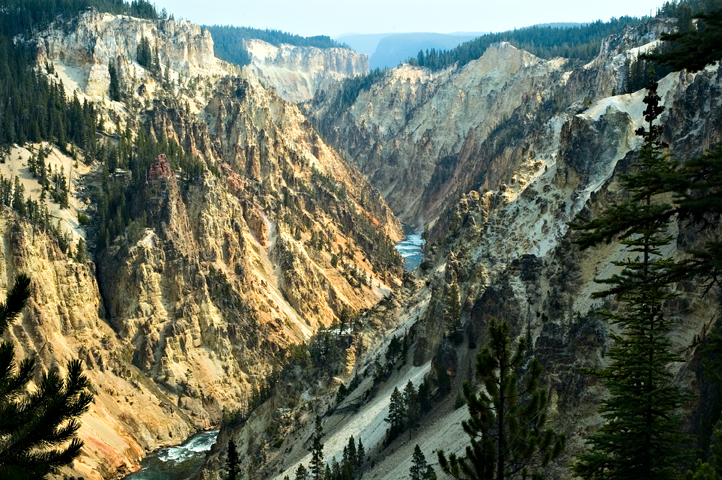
[[192, 307], [82, 55], [64, 319]]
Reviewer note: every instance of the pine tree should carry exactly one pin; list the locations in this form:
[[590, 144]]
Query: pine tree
[[233, 461], [697, 188], [506, 426], [430, 473], [696, 48], [418, 464], [350, 452], [424, 396], [37, 429], [114, 88], [411, 402], [81, 255], [346, 471], [336, 469], [710, 470], [301, 472], [641, 438], [397, 416], [360, 454], [452, 311], [143, 54], [19, 197], [317, 466]]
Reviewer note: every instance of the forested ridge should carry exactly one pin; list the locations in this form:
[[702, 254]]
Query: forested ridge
[[580, 43], [576, 42], [228, 41], [36, 109]]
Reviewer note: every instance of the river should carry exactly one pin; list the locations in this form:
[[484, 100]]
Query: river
[[176, 463], [410, 248]]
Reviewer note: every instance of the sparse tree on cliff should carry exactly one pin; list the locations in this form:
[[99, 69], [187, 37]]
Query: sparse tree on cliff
[[506, 426], [37, 430], [114, 87], [452, 310], [317, 466], [301, 472], [641, 438], [420, 470], [397, 416], [360, 454], [411, 401]]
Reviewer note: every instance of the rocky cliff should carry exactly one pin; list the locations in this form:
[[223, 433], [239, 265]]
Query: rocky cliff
[[558, 150], [82, 52], [190, 309], [65, 319], [297, 73], [423, 138], [187, 311]]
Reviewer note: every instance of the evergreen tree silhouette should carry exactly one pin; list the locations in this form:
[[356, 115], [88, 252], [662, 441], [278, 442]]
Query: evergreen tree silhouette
[[641, 438], [37, 430], [506, 426], [317, 466], [233, 461]]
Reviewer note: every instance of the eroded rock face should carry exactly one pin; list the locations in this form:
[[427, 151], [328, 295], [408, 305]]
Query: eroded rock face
[[226, 274], [64, 319], [198, 299], [424, 138], [507, 244], [82, 55], [297, 73], [518, 262], [408, 131]]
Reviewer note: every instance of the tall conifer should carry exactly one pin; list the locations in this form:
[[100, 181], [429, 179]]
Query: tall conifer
[[506, 426], [641, 438], [233, 462], [397, 415], [317, 465]]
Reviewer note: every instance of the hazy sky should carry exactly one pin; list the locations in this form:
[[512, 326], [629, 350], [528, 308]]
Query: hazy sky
[[334, 17]]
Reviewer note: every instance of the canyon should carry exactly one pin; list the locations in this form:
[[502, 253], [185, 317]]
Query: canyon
[[184, 315], [248, 294]]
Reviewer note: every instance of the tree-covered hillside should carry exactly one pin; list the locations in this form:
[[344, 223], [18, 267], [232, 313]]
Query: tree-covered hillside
[[37, 110], [547, 42], [22, 16], [228, 41]]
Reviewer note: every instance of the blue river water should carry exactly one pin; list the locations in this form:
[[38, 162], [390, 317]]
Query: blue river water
[[176, 463], [410, 248]]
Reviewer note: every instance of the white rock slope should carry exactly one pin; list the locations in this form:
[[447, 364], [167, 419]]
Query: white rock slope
[[297, 73]]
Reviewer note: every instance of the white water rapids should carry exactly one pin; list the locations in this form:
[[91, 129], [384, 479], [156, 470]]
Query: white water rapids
[[176, 463]]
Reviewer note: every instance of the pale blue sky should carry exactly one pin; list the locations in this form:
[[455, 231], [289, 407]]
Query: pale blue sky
[[334, 17]]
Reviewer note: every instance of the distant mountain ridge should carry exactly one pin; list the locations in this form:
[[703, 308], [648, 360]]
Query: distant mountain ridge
[[387, 50], [395, 49]]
